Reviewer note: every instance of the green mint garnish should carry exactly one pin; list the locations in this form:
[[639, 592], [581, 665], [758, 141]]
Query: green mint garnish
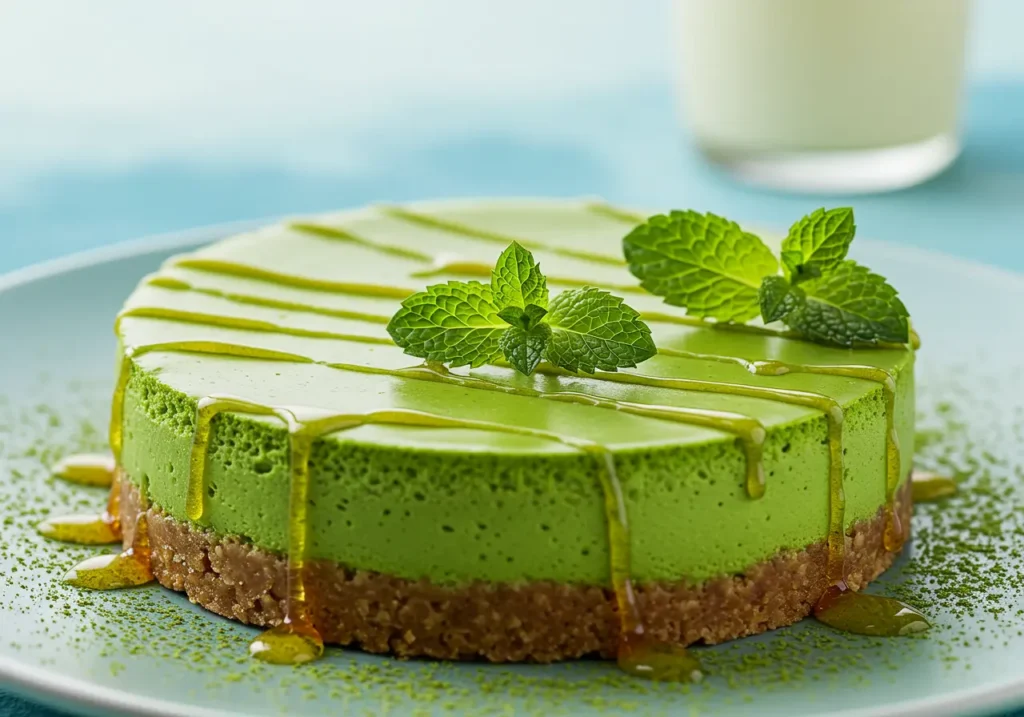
[[702, 262], [524, 348], [516, 279], [455, 323], [817, 243], [715, 270], [523, 318], [849, 306], [592, 329], [778, 298], [462, 323]]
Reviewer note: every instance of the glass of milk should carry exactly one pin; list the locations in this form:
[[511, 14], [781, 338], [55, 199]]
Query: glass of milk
[[828, 96]]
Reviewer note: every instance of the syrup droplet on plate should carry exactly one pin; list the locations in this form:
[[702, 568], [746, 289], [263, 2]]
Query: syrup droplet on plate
[[96, 529], [929, 486], [658, 661], [290, 643], [109, 572], [80, 529], [126, 569], [87, 469], [864, 614]]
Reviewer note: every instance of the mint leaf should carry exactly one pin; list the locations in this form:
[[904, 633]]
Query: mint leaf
[[532, 315], [511, 315], [850, 306], [791, 260], [524, 318], [702, 262], [778, 298], [592, 329], [524, 348], [516, 279], [821, 239], [454, 323]]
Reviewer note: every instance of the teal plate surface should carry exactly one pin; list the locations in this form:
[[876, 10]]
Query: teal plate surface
[[149, 651]]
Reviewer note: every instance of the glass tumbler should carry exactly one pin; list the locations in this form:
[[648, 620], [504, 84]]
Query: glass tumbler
[[827, 96]]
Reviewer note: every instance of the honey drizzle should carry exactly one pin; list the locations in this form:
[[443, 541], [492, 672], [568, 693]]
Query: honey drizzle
[[622, 215], [232, 268], [833, 412], [237, 322], [894, 535], [169, 282], [432, 222], [296, 639], [750, 432], [338, 234], [203, 347]]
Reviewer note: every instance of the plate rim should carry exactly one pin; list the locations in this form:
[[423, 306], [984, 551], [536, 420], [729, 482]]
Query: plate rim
[[38, 684]]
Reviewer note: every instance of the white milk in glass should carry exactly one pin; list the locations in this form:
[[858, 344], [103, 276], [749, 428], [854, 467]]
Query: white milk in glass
[[824, 95]]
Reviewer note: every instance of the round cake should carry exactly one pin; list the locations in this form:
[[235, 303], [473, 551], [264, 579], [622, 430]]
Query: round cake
[[266, 421]]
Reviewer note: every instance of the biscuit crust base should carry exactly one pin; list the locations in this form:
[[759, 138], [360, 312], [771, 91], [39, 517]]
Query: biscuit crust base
[[541, 621]]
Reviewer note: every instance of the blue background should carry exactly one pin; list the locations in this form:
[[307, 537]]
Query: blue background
[[83, 175]]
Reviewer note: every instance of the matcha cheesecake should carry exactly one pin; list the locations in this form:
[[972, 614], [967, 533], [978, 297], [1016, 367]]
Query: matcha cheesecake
[[283, 462]]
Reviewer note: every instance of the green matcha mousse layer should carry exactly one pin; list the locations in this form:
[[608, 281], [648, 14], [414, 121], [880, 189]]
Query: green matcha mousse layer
[[455, 505]]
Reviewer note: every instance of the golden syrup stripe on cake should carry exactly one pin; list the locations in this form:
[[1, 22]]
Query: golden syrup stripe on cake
[[167, 282], [231, 268], [241, 323], [622, 215], [452, 227]]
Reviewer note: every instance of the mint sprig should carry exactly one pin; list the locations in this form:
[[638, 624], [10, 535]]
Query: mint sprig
[[468, 323], [714, 269]]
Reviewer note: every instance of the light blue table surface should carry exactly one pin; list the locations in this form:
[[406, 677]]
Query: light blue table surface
[[623, 145]]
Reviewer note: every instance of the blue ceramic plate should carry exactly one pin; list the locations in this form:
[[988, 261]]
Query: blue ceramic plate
[[148, 651]]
